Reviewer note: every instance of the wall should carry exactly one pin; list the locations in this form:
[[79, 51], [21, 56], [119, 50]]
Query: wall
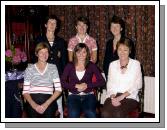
[[139, 20]]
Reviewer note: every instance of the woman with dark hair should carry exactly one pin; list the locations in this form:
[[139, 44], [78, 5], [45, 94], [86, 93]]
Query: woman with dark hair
[[117, 29], [123, 83], [82, 25], [77, 79]]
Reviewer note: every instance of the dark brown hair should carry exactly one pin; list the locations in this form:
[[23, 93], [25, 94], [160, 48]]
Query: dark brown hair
[[79, 47], [117, 20]]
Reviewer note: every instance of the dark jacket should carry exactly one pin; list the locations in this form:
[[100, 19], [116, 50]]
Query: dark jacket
[[58, 52], [111, 55]]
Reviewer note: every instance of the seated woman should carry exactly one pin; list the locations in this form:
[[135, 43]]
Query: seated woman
[[123, 84], [77, 79], [41, 85]]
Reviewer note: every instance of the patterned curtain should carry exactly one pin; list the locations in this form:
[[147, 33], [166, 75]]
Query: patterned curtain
[[140, 27]]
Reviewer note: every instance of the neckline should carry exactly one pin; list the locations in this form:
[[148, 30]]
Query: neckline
[[41, 73]]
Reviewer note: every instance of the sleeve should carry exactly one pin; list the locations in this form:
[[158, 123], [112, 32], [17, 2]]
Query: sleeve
[[71, 45], [56, 79], [94, 44], [106, 60], [133, 50], [100, 81], [66, 81], [136, 83], [27, 80], [64, 55], [110, 81]]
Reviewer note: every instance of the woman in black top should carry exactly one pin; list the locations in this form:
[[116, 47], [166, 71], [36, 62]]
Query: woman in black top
[[117, 29], [57, 45]]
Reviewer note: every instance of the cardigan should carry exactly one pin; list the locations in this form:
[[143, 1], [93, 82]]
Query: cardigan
[[69, 78]]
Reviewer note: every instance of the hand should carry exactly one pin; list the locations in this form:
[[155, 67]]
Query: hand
[[81, 87], [115, 102], [121, 97]]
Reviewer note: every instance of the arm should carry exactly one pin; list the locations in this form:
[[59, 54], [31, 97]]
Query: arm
[[70, 56], [64, 55], [100, 81], [110, 82], [107, 59], [94, 56], [136, 83], [66, 78]]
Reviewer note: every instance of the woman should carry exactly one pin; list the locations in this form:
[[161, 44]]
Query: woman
[[57, 45], [77, 79], [41, 85], [81, 26], [117, 29], [123, 84]]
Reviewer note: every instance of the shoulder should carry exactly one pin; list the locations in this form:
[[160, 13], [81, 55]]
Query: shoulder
[[91, 38], [73, 38], [59, 39], [114, 63], [134, 62], [52, 66], [70, 65], [30, 68]]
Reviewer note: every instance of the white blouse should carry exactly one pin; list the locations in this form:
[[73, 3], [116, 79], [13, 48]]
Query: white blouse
[[130, 81]]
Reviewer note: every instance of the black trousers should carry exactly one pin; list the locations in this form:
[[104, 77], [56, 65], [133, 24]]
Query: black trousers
[[40, 99], [110, 111]]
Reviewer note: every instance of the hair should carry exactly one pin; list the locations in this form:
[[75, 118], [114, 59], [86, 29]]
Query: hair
[[79, 47], [82, 19], [126, 42], [40, 46], [50, 17], [117, 20]]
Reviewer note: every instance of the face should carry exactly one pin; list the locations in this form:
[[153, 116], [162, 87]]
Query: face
[[51, 25], [81, 28], [43, 55], [81, 55], [123, 52], [115, 29]]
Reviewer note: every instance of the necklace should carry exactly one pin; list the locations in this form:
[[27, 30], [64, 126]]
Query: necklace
[[124, 66]]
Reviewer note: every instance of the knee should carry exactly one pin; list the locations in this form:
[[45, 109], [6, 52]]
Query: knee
[[73, 114], [90, 114], [105, 114]]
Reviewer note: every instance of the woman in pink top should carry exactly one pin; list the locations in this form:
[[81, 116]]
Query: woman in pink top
[[82, 37], [123, 84]]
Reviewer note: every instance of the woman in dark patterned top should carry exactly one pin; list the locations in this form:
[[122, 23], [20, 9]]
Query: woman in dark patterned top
[[77, 79], [117, 29]]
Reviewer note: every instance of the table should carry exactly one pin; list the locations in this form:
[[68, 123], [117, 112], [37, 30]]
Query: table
[[13, 100]]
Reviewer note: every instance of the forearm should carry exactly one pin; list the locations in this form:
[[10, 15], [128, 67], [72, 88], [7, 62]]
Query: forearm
[[55, 95]]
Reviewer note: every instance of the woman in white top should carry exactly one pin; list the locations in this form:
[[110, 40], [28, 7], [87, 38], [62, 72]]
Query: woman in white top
[[124, 82], [41, 85]]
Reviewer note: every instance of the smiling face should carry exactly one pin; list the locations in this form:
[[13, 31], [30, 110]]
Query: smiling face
[[115, 29], [81, 55], [43, 55], [81, 27], [123, 52]]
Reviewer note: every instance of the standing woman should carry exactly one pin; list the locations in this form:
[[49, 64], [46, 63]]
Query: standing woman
[[57, 45], [77, 79], [41, 85], [123, 83], [81, 26], [117, 29]]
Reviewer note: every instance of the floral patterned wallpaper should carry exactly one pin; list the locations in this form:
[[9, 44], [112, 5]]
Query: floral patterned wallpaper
[[140, 27]]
